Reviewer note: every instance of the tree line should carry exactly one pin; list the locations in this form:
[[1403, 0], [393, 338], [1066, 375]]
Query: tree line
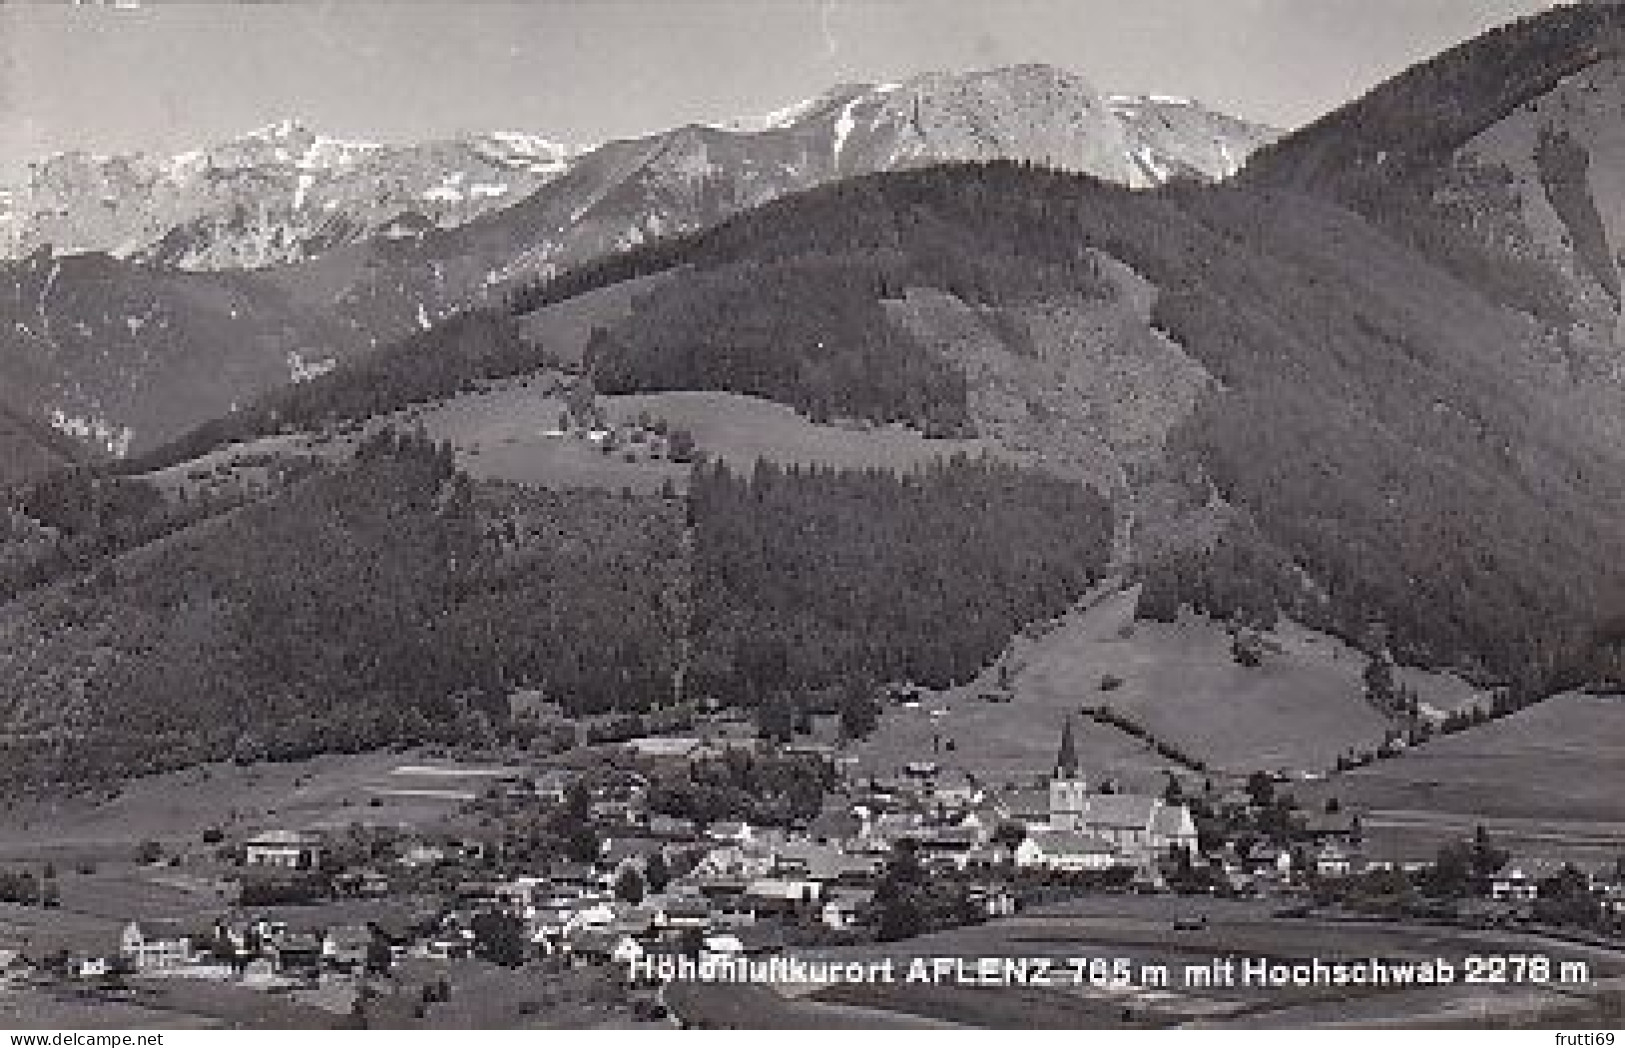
[[809, 579]]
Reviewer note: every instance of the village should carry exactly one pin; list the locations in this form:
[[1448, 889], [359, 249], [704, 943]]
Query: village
[[578, 869]]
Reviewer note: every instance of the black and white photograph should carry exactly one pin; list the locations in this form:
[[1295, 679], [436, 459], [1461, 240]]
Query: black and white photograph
[[893, 516]]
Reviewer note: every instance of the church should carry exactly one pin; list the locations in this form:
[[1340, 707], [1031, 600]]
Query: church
[[1142, 828]]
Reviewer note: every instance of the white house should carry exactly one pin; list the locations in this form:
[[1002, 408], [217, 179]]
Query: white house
[[782, 895], [1065, 850], [1519, 880], [627, 950], [842, 907], [732, 831], [725, 946], [151, 946], [285, 849], [1333, 860]]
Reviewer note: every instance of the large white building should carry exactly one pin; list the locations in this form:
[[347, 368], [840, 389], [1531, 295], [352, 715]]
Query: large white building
[[1066, 851], [155, 945]]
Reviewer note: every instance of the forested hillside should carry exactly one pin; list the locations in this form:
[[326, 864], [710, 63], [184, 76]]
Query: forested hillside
[[388, 600], [1379, 419], [1397, 154], [809, 333], [808, 579], [1414, 122], [29, 448], [1376, 455], [432, 364]]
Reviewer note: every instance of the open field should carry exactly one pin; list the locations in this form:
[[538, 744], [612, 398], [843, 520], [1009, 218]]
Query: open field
[[1418, 835], [486, 996], [118, 892], [509, 431], [34, 1008], [1298, 711], [42, 931], [1561, 759], [230, 1005], [324, 792], [742, 429], [1547, 777], [1001, 744]]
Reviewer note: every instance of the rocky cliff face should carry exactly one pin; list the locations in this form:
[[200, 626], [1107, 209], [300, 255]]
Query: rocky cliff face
[[285, 193], [119, 356], [1560, 157], [280, 194]]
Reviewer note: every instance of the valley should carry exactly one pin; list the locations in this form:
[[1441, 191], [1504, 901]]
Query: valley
[[966, 514]]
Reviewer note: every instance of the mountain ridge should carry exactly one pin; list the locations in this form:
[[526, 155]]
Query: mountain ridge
[[348, 284], [1455, 155], [284, 192], [1318, 393]]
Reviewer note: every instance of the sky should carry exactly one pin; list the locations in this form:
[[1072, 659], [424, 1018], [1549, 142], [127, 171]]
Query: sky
[[166, 75]]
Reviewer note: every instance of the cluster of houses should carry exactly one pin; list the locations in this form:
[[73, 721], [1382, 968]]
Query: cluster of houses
[[728, 887], [1523, 880], [255, 950], [660, 883]]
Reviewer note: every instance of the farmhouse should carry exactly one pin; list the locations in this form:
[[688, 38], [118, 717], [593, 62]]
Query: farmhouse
[[286, 849], [1342, 828], [730, 830], [1519, 880], [680, 912]]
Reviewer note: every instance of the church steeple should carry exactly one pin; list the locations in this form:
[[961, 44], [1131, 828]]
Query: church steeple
[[1066, 761], [1068, 792]]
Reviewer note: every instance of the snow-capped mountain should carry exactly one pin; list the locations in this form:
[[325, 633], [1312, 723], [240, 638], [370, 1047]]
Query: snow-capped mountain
[[1173, 137], [286, 193], [1029, 112], [630, 191], [279, 194], [249, 264]]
